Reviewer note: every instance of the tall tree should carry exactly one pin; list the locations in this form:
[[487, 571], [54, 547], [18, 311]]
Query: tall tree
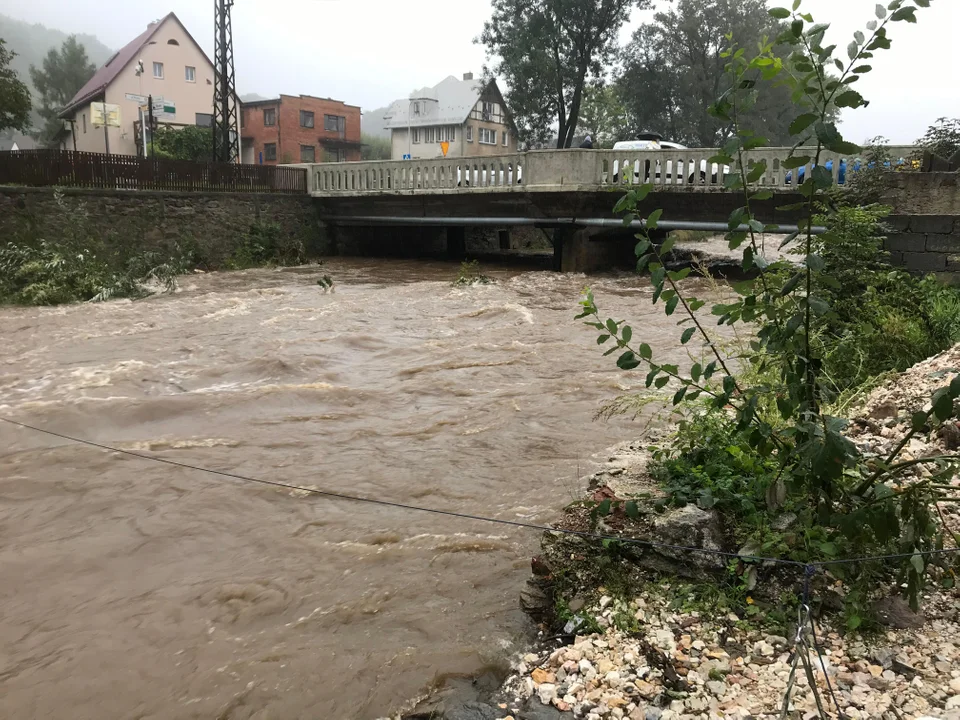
[[673, 71], [63, 73], [603, 115], [546, 50], [14, 95]]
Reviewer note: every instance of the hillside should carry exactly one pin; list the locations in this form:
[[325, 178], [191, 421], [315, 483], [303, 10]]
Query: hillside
[[32, 42]]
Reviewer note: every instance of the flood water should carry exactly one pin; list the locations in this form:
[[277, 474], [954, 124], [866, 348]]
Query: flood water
[[132, 589]]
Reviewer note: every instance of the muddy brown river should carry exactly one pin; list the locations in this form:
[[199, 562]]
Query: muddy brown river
[[131, 589]]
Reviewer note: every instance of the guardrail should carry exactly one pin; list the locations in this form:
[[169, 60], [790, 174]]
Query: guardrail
[[551, 170]]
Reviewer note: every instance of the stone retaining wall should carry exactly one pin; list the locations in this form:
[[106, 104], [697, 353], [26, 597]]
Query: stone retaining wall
[[925, 222], [214, 223]]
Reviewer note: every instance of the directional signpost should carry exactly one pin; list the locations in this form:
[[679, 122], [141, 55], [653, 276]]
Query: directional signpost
[[164, 109]]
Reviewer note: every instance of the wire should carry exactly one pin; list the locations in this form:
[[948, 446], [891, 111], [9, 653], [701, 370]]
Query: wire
[[462, 516]]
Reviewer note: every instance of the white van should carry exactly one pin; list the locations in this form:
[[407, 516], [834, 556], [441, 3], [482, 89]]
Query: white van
[[653, 141]]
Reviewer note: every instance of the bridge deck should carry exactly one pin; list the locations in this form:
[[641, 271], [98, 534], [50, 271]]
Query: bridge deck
[[540, 171]]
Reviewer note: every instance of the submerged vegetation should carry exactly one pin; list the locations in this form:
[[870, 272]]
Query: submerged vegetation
[[85, 263]]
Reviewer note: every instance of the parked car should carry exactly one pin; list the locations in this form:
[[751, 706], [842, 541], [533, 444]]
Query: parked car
[[654, 141]]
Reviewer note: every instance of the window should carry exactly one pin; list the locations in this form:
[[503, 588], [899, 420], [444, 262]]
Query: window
[[416, 108], [488, 137], [416, 135], [338, 155], [158, 70], [191, 74], [429, 135], [171, 41], [506, 139], [449, 134], [270, 151], [469, 133], [84, 123], [334, 123], [487, 111], [308, 154], [269, 117], [306, 119], [204, 120]]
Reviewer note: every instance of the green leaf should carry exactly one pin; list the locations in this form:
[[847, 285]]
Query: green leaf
[[860, 37], [628, 361], [853, 49], [603, 509], [942, 404], [661, 381], [849, 99], [687, 334], [757, 172], [678, 275], [947, 582], [672, 305], [791, 163], [643, 262], [919, 420], [626, 333], [827, 133], [657, 277], [819, 306], [917, 562], [822, 178], [881, 11], [678, 398], [612, 326], [762, 195], [802, 122], [642, 247], [729, 385], [814, 262], [862, 69], [653, 219], [710, 370], [796, 5], [845, 148], [829, 549], [792, 284], [668, 245], [645, 352], [695, 372], [796, 27], [602, 339], [955, 387], [905, 13], [631, 509]]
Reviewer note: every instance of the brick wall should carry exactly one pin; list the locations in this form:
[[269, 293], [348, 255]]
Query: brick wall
[[290, 135], [214, 222]]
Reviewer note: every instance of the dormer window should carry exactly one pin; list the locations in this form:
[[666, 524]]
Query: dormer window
[[171, 41]]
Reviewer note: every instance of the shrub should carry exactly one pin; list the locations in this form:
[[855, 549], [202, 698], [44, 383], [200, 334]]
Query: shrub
[[267, 244]]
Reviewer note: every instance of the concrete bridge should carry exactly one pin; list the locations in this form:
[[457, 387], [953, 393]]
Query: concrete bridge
[[571, 191]]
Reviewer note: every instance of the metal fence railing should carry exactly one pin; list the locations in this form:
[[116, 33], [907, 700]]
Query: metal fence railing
[[45, 168]]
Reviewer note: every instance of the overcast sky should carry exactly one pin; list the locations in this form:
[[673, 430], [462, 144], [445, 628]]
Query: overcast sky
[[370, 52]]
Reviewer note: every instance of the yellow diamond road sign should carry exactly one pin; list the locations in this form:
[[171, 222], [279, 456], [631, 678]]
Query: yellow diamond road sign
[[444, 146]]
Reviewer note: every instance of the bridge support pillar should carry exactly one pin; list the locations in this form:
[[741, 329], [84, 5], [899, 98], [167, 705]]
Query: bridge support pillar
[[587, 250], [456, 242]]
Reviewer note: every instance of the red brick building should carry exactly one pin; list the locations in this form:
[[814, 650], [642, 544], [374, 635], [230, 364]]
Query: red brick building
[[294, 129]]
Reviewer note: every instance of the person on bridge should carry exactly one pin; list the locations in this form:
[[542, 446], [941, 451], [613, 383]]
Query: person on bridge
[[587, 143]]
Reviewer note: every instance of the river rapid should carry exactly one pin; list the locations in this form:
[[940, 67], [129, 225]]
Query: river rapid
[[132, 589]]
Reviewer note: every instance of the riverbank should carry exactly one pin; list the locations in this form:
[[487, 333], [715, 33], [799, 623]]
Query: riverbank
[[648, 641]]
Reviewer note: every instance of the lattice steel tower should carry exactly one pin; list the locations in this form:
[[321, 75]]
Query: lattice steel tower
[[226, 138]]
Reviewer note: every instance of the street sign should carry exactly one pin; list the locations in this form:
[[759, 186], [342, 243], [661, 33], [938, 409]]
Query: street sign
[[407, 156], [139, 99], [112, 112], [164, 109], [444, 146]]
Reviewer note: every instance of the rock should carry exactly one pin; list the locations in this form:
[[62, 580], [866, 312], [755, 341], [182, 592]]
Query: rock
[[534, 601], [604, 666], [955, 686], [717, 688], [541, 676], [884, 657], [953, 703], [894, 612], [690, 526], [585, 666], [547, 692], [604, 601], [776, 640], [541, 712], [883, 411], [472, 711]]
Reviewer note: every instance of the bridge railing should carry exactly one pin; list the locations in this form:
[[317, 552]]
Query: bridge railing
[[500, 171], [690, 169]]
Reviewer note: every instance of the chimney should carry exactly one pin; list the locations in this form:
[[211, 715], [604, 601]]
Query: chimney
[[468, 76]]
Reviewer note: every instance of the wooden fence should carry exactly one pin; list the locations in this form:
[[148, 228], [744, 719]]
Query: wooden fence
[[44, 168]]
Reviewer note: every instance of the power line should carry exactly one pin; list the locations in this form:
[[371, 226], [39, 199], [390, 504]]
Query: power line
[[468, 516]]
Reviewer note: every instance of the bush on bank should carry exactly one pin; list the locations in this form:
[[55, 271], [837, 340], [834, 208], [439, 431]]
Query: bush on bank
[[764, 442]]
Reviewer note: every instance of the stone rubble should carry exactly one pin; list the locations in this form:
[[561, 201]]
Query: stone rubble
[[686, 666]]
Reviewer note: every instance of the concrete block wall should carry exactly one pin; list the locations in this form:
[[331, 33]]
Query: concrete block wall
[[925, 243]]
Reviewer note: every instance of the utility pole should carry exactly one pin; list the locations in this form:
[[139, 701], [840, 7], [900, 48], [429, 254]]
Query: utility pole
[[226, 141], [106, 127]]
